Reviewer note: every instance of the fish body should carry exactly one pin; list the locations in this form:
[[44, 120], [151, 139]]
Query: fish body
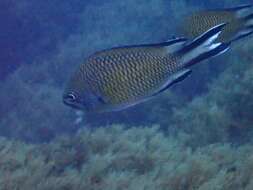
[[118, 78], [239, 23]]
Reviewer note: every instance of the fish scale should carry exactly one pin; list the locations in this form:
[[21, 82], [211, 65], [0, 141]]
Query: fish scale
[[116, 90], [133, 77]]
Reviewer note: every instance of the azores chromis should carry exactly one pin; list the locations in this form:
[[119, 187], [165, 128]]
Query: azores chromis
[[239, 23], [121, 77]]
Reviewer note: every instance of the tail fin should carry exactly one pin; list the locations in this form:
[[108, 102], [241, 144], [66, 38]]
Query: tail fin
[[245, 14], [203, 47], [242, 10]]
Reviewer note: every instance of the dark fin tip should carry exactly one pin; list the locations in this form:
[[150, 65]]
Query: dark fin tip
[[222, 48]]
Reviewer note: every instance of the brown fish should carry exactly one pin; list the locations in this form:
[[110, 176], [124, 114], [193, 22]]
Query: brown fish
[[118, 78], [239, 23]]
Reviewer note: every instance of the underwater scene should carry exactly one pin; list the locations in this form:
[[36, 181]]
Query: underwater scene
[[126, 95]]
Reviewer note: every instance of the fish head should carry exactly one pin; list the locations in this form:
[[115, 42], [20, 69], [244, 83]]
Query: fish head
[[86, 101], [78, 94]]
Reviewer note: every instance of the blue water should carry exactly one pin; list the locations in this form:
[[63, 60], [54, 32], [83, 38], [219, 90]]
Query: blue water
[[57, 35], [43, 42]]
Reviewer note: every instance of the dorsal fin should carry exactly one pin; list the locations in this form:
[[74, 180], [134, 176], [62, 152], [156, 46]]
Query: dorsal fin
[[170, 42], [175, 45]]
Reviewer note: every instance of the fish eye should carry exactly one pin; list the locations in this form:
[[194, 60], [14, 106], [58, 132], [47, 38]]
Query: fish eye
[[71, 97]]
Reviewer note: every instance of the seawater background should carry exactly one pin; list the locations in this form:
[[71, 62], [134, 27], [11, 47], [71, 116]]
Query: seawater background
[[42, 43]]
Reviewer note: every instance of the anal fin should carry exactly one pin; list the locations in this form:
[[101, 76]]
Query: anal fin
[[175, 78]]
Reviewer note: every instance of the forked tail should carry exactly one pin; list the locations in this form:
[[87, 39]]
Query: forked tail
[[245, 14], [203, 47]]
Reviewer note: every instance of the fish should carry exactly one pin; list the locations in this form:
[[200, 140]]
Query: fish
[[118, 78], [239, 23]]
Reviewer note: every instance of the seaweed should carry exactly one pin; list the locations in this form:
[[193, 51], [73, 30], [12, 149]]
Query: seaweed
[[119, 158]]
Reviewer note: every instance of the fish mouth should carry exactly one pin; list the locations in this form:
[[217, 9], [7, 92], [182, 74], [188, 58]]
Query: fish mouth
[[72, 105]]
